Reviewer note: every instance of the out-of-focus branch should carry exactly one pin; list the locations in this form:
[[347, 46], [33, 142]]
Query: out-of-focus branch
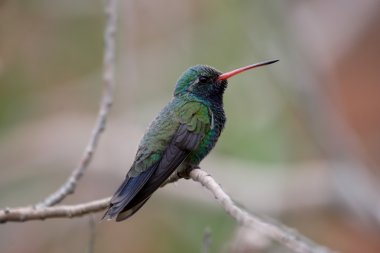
[[22, 214], [207, 240], [92, 226], [247, 239], [109, 83], [328, 128], [280, 233], [335, 139]]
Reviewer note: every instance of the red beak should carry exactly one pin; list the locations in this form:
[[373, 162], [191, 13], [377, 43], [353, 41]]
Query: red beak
[[232, 73]]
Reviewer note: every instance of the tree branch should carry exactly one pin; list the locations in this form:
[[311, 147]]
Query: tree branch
[[109, 83], [280, 233], [284, 235], [22, 214]]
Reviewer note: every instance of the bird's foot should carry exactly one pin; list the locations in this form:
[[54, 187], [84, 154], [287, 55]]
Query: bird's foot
[[186, 172]]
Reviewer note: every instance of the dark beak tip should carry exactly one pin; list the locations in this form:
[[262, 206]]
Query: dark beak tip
[[272, 61], [229, 74]]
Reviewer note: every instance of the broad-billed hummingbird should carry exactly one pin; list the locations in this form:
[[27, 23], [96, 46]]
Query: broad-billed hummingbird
[[182, 134]]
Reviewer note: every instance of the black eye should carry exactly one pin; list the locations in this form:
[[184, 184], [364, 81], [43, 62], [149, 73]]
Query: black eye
[[203, 79]]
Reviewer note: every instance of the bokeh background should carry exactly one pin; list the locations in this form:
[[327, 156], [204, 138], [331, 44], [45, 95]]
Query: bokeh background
[[301, 143]]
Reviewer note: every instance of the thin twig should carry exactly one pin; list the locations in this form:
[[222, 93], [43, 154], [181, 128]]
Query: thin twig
[[207, 240], [109, 84], [92, 227], [280, 233], [22, 214]]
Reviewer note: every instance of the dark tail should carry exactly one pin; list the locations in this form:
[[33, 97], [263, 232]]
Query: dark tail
[[125, 197]]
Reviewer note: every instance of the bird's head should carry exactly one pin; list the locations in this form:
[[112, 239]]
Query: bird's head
[[208, 83]]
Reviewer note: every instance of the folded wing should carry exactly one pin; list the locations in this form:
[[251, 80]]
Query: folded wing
[[136, 190]]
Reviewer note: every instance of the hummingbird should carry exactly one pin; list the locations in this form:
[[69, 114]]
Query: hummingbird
[[182, 134]]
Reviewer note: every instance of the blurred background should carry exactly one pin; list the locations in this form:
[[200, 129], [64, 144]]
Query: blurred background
[[301, 143]]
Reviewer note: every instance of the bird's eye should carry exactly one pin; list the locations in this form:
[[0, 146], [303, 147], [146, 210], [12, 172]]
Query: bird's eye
[[203, 79]]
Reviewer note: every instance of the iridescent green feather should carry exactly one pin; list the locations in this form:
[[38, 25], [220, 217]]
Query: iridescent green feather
[[161, 131]]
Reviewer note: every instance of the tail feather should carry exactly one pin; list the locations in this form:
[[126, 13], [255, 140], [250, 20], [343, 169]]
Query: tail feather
[[127, 192], [131, 211]]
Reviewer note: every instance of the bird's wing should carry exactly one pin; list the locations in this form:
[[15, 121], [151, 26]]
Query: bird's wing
[[159, 155]]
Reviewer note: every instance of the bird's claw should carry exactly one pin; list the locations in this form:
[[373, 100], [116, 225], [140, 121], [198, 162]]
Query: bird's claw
[[186, 172]]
